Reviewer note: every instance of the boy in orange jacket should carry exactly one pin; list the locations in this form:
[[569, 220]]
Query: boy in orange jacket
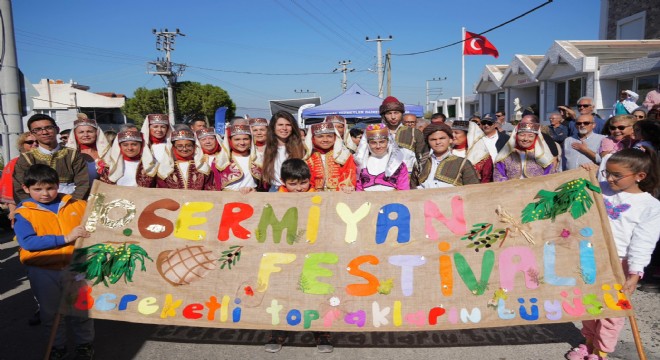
[[47, 225]]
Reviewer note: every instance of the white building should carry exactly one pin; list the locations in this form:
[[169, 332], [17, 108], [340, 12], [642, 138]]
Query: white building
[[63, 101]]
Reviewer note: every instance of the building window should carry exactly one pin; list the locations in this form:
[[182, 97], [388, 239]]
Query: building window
[[645, 84], [501, 102], [631, 27], [493, 103], [568, 92], [51, 113]]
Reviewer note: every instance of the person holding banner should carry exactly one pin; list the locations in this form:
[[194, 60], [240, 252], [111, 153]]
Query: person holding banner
[[259, 128], [525, 155], [130, 163], [330, 161], [238, 166], [468, 143], [380, 162], [187, 168], [440, 168], [47, 226], [283, 142], [630, 188]]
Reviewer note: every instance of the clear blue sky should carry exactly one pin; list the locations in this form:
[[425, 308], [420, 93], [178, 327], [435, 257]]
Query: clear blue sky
[[106, 44]]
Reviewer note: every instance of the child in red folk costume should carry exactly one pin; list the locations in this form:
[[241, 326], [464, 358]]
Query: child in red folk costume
[[130, 164], [157, 130], [238, 166], [187, 167], [629, 191], [47, 224], [259, 128], [210, 142], [331, 163]]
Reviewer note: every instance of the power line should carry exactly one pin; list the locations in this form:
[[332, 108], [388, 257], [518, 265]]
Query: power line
[[481, 33], [263, 73]]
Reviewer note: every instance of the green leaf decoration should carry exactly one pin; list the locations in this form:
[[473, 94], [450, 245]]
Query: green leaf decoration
[[108, 264], [572, 197], [230, 257], [483, 235]]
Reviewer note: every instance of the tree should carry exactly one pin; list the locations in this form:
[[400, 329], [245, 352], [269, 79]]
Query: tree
[[193, 100], [143, 102]]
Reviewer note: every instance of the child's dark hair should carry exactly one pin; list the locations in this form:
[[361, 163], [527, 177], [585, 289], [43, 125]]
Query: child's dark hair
[[40, 174], [355, 132], [640, 160], [650, 131], [295, 169]]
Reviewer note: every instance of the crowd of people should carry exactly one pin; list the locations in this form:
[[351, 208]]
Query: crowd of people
[[399, 153]]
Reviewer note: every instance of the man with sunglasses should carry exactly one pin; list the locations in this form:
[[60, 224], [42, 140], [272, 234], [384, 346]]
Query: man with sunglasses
[[70, 166], [494, 139], [585, 106], [502, 124], [582, 149]]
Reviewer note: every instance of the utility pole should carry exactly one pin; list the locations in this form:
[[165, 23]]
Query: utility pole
[[379, 55], [164, 67], [388, 62], [428, 90], [344, 69], [304, 92], [12, 124]]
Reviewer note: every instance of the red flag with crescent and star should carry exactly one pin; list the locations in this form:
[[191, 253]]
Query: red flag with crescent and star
[[476, 44]]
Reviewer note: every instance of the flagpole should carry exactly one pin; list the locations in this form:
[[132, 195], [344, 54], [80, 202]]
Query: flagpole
[[462, 47]]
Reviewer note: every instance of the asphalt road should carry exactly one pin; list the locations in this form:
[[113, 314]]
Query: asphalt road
[[121, 340]]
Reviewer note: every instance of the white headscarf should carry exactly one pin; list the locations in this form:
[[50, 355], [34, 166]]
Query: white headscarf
[[394, 156]]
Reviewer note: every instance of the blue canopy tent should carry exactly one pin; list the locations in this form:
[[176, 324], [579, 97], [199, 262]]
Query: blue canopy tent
[[355, 104]]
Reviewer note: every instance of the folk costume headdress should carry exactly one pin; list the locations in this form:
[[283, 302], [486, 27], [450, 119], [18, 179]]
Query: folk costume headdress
[[394, 156], [199, 158], [116, 156], [225, 157], [539, 150], [253, 122], [208, 132], [391, 104], [153, 119], [476, 144], [102, 146], [340, 152]]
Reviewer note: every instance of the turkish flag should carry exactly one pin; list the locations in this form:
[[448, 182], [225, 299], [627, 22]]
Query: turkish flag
[[475, 44]]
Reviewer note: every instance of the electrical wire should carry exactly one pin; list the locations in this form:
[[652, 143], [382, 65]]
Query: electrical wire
[[481, 33]]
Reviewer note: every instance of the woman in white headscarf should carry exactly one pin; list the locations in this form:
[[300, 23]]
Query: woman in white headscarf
[[525, 155], [188, 167], [380, 162], [130, 162], [238, 167], [88, 138]]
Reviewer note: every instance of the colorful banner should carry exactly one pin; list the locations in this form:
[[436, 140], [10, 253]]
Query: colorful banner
[[521, 252]]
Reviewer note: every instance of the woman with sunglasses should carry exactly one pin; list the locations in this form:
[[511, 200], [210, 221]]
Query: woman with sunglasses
[[26, 142], [621, 135]]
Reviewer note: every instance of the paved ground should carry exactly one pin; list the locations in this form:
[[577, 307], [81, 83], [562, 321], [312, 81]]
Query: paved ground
[[119, 340]]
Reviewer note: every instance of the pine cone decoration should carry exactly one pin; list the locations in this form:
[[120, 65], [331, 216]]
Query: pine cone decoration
[[183, 266]]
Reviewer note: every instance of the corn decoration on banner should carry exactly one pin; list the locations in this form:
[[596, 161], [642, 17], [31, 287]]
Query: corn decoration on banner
[[521, 252]]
